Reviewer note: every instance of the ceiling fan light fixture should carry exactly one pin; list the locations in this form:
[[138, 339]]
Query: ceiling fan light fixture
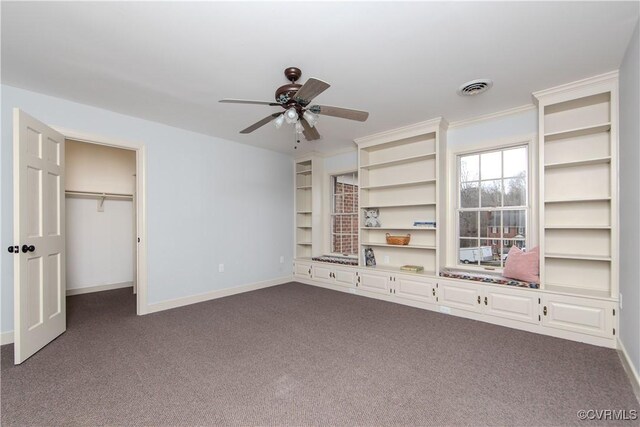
[[299, 127], [291, 116], [311, 118], [279, 121]]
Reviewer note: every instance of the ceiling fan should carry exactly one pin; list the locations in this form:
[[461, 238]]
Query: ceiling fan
[[295, 98]]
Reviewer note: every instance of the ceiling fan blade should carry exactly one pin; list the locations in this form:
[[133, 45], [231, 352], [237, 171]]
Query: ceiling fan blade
[[260, 123], [310, 133], [343, 113], [248, 101], [312, 88]]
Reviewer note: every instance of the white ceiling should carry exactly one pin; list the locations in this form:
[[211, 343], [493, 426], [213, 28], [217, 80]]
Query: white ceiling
[[171, 62]]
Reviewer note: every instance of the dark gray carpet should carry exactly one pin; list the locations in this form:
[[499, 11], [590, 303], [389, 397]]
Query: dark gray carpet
[[296, 354]]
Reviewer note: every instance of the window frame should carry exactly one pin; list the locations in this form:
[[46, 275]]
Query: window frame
[[333, 215], [453, 232]]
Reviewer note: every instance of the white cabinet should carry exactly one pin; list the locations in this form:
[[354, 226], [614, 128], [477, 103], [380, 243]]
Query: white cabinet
[[344, 277], [374, 281], [459, 295], [302, 269], [583, 315], [515, 304], [414, 288], [322, 273]]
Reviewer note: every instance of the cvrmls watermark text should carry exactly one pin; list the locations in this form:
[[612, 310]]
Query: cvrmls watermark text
[[608, 414]]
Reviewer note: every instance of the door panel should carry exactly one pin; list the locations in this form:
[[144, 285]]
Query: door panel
[[345, 277], [414, 288], [459, 296], [303, 270], [374, 282], [39, 274], [512, 304], [322, 273], [593, 317]]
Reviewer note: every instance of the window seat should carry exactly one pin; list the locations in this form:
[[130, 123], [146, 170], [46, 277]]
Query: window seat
[[336, 260], [486, 278]]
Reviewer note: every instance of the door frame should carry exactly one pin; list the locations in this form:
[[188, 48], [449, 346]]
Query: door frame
[[140, 200]]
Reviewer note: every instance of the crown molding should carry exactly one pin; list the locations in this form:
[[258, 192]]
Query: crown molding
[[439, 123], [557, 93], [492, 116]]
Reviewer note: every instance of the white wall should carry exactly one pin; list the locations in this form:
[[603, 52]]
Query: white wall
[[197, 216], [630, 200], [99, 244]]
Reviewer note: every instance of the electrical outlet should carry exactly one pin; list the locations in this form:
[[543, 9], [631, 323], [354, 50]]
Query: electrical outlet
[[386, 259], [281, 259], [445, 310], [220, 268], [620, 301]]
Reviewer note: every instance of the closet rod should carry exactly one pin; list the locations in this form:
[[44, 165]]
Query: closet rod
[[99, 195]]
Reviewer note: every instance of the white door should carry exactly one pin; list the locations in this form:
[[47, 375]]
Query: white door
[[322, 273], [39, 267]]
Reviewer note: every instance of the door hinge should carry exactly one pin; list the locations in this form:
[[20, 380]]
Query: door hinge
[[538, 300], [539, 318], [614, 331], [614, 311]]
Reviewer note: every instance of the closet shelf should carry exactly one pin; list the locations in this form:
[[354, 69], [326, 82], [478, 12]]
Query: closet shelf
[[400, 184], [304, 243], [304, 187], [398, 161], [98, 195], [304, 172], [581, 131], [578, 257], [585, 162], [579, 199], [303, 212]]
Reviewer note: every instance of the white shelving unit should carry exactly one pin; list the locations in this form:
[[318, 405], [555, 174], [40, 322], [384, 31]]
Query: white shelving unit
[[304, 208], [578, 187], [399, 175]]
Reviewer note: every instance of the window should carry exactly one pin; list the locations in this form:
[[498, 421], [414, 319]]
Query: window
[[344, 213], [492, 205]]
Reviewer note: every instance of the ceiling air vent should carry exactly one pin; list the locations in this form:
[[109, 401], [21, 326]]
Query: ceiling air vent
[[475, 87]]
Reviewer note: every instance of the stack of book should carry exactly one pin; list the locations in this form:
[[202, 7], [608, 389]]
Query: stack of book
[[426, 224], [412, 268]]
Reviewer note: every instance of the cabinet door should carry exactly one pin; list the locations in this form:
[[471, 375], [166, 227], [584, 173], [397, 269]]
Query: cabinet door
[[344, 277], [414, 288], [516, 304], [322, 273], [584, 315], [458, 295], [374, 282], [302, 269]]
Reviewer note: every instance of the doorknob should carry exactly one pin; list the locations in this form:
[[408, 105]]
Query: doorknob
[[14, 249], [29, 248]]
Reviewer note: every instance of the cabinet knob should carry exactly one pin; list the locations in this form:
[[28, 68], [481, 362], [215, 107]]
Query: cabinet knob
[[478, 299], [486, 302], [544, 310], [433, 291]]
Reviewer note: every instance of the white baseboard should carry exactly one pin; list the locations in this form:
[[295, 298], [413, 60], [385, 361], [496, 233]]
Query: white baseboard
[[218, 293], [6, 338], [99, 288], [630, 368]]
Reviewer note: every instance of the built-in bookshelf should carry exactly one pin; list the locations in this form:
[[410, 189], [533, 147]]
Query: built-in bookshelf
[[304, 208], [399, 176], [578, 187]]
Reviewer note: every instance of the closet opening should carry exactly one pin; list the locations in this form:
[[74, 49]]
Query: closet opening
[[101, 226]]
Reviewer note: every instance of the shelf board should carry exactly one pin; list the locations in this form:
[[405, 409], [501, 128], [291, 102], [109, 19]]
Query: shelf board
[[304, 172], [578, 257], [396, 269], [304, 187], [400, 184], [571, 290], [398, 246], [304, 226], [398, 206], [304, 243], [577, 200], [303, 212], [585, 162], [581, 131], [398, 161], [577, 227], [400, 228]]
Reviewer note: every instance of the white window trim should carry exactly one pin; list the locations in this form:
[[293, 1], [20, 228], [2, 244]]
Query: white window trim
[[531, 141], [329, 214]]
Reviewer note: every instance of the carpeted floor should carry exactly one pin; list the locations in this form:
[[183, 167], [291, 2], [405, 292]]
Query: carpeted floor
[[296, 354]]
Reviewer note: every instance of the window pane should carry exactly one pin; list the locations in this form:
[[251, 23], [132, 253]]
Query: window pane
[[491, 193], [491, 165], [515, 192], [468, 224], [490, 224], [469, 168], [514, 223], [468, 251], [469, 195], [338, 203], [515, 162], [489, 253]]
